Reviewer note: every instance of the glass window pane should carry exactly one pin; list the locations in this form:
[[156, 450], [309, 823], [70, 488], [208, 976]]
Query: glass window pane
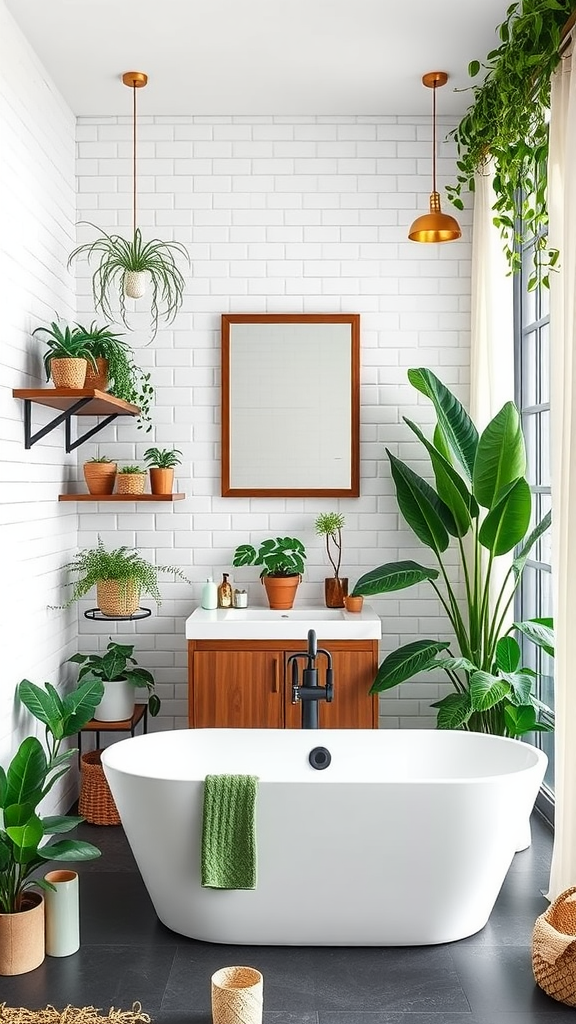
[[544, 363], [544, 545], [545, 447], [531, 441], [529, 365]]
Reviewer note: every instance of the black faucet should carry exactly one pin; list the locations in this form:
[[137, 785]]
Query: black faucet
[[308, 691]]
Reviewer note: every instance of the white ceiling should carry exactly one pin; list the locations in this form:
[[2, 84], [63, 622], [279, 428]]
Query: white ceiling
[[236, 57]]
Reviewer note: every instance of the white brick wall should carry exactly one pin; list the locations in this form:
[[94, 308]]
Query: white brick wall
[[37, 199], [280, 215]]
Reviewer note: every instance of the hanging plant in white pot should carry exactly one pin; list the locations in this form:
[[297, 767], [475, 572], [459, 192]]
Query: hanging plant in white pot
[[130, 266]]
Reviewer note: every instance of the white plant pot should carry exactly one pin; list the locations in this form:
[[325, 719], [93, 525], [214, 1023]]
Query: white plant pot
[[118, 701], [135, 282]]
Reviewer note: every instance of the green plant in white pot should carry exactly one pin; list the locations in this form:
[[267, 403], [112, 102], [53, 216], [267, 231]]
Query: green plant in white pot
[[121, 677], [128, 267], [481, 509]]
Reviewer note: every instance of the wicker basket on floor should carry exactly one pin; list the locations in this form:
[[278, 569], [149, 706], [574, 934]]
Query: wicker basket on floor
[[554, 949], [96, 803]]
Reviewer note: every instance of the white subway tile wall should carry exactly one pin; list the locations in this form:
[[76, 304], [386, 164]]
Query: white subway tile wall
[[37, 535], [279, 214]]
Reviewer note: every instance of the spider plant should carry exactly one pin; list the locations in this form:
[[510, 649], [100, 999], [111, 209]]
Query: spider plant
[[162, 458], [120, 257]]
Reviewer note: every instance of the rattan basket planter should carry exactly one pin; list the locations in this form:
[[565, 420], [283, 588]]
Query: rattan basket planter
[[130, 483], [97, 378], [116, 598], [68, 373], [96, 803], [237, 996], [554, 949]]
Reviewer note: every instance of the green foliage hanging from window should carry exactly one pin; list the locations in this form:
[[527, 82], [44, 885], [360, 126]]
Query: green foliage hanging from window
[[508, 122]]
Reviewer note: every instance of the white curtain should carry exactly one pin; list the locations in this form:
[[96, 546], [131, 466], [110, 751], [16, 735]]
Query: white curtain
[[562, 235], [491, 342]]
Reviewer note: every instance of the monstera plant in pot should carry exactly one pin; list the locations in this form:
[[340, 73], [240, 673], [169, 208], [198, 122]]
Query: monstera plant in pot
[[24, 831], [479, 510], [282, 559]]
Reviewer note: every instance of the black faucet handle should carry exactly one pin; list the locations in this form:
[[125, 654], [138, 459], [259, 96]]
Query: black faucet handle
[[329, 685], [312, 643]]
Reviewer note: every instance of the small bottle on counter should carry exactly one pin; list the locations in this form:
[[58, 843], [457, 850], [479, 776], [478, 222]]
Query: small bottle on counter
[[225, 592], [240, 599], [209, 599]]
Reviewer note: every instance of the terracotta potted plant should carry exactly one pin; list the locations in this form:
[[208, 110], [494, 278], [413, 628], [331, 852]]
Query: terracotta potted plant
[[100, 474], [28, 778], [161, 462], [329, 525], [68, 355], [121, 676], [106, 347], [130, 480], [120, 576], [283, 561]]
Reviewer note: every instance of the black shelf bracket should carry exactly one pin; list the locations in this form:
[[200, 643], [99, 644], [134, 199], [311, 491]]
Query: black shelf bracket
[[65, 417]]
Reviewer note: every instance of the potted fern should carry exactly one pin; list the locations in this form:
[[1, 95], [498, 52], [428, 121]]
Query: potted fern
[[128, 266], [161, 463], [120, 576]]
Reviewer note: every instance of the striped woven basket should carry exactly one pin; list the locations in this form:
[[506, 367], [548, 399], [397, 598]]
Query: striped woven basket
[[554, 949], [96, 803]]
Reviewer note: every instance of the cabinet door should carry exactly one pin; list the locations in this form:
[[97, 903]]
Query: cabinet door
[[238, 689], [352, 706]]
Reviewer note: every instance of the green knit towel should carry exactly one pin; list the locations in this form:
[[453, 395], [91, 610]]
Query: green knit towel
[[228, 832]]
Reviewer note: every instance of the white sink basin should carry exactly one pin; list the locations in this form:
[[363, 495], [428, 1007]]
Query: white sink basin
[[293, 624]]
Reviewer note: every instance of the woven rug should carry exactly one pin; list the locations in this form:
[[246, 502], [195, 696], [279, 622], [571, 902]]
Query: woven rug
[[72, 1015]]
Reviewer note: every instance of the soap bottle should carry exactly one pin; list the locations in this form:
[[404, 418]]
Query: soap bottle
[[225, 593], [209, 598]]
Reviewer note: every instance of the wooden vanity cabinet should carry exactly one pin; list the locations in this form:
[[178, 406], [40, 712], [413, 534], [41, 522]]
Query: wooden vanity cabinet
[[248, 685]]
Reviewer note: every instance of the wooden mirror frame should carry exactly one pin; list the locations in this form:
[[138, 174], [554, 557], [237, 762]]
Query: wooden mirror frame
[[352, 487]]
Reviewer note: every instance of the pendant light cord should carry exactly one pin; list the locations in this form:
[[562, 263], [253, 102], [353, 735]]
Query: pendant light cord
[[134, 156], [433, 138]]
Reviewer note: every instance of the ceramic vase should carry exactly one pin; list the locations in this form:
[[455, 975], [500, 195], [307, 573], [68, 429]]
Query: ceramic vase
[[62, 913]]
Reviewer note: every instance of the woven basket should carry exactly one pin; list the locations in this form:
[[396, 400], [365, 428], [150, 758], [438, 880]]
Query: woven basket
[[96, 803], [115, 599], [68, 373], [97, 378], [554, 949], [130, 483], [237, 996]]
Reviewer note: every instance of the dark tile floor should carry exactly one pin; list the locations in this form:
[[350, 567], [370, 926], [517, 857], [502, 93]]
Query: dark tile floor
[[127, 955]]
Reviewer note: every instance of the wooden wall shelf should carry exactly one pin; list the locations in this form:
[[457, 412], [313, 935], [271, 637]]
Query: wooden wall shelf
[[121, 497], [71, 402]]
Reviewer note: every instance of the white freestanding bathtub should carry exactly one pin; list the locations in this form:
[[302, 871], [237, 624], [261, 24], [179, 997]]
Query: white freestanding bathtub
[[404, 839]]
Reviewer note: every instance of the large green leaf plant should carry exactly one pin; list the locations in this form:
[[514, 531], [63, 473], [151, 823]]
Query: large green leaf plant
[[31, 774], [481, 503]]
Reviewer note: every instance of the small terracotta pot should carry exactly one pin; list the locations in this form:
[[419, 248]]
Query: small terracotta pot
[[130, 483], [100, 476], [22, 944], [353, 603], [97, 379], [161, 480], [68, 373], [335, 591]]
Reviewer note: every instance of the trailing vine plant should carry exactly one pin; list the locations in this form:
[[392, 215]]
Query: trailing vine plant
[[508, 122]]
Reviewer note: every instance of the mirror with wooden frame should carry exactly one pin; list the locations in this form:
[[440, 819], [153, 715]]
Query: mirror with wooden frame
[[291, 404]]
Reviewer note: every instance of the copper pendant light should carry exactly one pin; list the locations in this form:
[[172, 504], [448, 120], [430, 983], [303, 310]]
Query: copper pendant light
[[434, 226]]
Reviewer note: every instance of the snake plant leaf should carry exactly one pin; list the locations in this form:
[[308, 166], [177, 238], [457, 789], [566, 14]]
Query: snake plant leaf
[[405, 662], [520, 720], [520, 560], [453, 711], [500, 458], [421, 507], [508, 654], [452, 489], [540, 632], [459, 430], [487, 690], [506, 523], [393, 576]]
